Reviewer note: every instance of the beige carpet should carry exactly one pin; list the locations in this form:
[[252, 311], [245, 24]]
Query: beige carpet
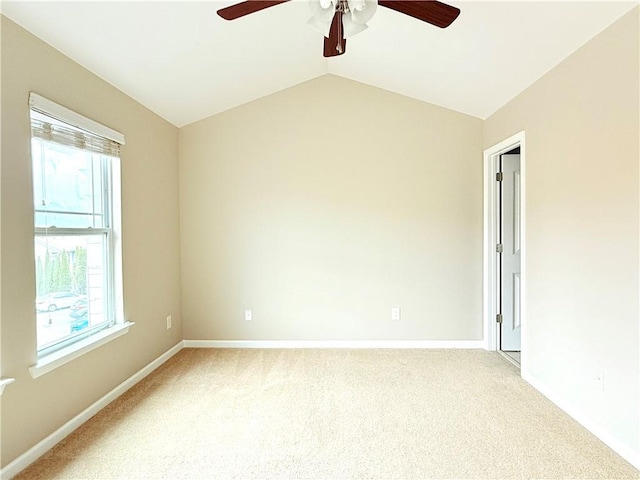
[[331, 414]]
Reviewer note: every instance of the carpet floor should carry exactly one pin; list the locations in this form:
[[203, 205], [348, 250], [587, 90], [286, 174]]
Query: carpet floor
[[331, 414]]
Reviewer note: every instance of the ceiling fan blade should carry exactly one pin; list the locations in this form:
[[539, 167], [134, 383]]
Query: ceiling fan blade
[[245, 8], [430, 11], [335, 44]]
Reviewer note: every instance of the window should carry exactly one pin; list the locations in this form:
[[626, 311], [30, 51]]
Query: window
[[76, 212]]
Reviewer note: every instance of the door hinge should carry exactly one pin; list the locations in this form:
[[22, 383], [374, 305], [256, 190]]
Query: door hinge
[[499, 177], [499, 248], [499, 318]]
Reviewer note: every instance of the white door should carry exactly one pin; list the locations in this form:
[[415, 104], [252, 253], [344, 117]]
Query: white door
[[511, 238]]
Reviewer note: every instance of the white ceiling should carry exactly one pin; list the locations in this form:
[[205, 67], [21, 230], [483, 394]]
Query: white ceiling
[[185, 63]]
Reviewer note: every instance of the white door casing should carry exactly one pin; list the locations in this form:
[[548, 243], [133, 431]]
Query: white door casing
[[491, 328]]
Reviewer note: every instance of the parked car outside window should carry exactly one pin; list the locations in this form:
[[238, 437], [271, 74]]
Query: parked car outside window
[[55, 301], [80, 308]]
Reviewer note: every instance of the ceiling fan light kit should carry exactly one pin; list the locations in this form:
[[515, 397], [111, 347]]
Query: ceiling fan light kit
[[321, 15], [338, 20], [355, 15]]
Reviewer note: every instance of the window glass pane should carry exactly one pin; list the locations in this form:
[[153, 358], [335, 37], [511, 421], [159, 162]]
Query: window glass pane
[[68, 186], [71, 283]]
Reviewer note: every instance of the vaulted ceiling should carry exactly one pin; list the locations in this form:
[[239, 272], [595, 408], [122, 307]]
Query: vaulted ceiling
[[185, 63]]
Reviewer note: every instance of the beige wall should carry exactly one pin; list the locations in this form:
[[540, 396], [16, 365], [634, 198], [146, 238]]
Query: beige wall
[[582, 136], [323, 206], [32, 409]]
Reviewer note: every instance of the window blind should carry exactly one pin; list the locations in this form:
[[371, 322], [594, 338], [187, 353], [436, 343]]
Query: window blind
[[71, 137], [70, 128]]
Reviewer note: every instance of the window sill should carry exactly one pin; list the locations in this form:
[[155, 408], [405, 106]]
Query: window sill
[[65, 355], [4, 382]]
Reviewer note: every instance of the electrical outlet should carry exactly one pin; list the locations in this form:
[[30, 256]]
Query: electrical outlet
[[248, 315], [168, 322], [395, 313]]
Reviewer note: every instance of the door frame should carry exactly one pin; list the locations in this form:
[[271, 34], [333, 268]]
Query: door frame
[[490, 256]]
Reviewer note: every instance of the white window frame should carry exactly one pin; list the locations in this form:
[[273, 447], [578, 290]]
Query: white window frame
[[66, 350]]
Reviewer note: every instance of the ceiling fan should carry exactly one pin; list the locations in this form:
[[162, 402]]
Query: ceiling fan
[[340, 19]]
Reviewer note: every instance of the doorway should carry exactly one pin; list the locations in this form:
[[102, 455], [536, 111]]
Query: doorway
[[504, 249]]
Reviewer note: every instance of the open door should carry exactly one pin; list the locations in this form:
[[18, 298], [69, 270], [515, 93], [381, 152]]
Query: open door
[[509, 252], [505, 247]]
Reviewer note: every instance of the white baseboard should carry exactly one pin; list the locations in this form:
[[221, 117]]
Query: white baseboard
[[42, 447], [468, 344], [626, 452]]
